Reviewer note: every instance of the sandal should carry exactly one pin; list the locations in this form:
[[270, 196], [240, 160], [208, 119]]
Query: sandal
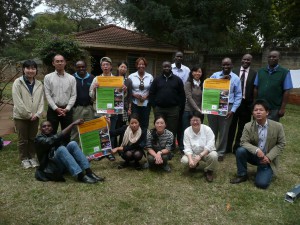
[[111, 158]]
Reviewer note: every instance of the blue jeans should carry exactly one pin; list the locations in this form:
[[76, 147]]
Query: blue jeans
[[71, 158], [264, 172]]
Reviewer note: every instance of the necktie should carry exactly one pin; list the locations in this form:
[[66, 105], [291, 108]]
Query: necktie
[[243, 81]]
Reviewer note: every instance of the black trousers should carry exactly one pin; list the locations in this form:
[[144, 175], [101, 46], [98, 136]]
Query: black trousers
[[64, 121], [240, 118]]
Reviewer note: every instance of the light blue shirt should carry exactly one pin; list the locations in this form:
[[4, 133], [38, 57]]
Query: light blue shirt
[[287, 83], [235, 95], [183, 73], [262, 136]]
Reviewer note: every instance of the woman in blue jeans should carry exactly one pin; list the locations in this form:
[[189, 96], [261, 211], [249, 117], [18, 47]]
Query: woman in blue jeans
[[56, 158]]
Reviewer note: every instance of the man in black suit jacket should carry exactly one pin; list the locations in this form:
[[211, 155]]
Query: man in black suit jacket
[[243, 113]]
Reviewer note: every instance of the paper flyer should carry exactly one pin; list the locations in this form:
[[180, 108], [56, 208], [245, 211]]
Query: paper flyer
[[215, 97], [94, 138], [110, 95]]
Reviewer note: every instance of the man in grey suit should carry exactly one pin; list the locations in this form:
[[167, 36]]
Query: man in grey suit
[[262, 142], [243, 113]]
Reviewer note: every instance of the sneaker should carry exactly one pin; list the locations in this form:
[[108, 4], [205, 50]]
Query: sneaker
[[26, 164], [167, 168], [34, 163]]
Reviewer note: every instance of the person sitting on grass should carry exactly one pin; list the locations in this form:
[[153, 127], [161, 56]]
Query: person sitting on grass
[[159, 144], [199, 144], [55, 158], [262, 141], [133, 143]]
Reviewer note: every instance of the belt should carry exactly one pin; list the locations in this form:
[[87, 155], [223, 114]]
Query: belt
[[83, 104], [62, 107]]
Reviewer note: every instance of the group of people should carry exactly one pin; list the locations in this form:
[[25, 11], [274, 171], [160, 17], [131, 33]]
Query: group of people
[[176, 98]]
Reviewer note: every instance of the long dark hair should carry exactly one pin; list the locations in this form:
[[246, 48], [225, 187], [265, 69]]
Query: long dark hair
[[190, 78], [119, 64]]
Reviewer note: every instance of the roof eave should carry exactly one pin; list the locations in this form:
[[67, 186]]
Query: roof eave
[[131, 48]]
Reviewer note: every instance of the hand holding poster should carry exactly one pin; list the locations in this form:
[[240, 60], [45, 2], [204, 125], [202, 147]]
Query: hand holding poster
[[94, 138], [110, 95], [215, 97]]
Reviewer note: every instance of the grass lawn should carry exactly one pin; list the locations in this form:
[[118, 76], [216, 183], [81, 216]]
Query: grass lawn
[[152, 197]]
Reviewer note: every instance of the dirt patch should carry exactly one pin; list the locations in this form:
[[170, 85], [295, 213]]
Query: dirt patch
[[6, 122]]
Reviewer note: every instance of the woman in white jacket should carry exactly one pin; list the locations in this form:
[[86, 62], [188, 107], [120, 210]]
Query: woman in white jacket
[[28, 97]]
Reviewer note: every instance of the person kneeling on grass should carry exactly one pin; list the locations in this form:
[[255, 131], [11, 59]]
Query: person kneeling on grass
[[199, 144], [262, 141], [133, 143], [159, 144], [55, 158]]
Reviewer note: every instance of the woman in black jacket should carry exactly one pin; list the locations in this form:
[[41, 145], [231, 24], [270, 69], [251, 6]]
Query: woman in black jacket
[[133, 143]]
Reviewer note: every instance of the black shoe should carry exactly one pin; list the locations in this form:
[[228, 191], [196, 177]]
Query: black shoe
[[97, 178], [209, 176], [137, 166], [88, 180], [238, 180], [123, 165]]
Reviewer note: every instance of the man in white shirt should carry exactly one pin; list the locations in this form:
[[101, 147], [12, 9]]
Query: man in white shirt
[[179, 69], [183, 73], [199, 144], [60, 91]]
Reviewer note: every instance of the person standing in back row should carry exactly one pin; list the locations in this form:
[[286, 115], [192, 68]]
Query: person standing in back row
[[220, 124], [243, 113], [83, 108], [272, 84], [60, 91], [182, 72]]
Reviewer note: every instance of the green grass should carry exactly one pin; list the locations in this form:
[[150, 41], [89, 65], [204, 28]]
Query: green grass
[[152, 197]]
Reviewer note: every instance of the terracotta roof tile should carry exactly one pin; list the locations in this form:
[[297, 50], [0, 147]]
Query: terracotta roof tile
[[112, 35]]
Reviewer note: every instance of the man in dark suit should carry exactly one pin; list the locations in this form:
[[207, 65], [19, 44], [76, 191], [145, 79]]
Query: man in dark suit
[[243, 113], [262, 142]]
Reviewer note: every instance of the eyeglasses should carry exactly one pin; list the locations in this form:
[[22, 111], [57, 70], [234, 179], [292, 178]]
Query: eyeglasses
[[141, 86]]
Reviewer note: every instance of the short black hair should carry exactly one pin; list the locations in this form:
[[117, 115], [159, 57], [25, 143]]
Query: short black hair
[[262, 102], [29, 63], [195, 114]]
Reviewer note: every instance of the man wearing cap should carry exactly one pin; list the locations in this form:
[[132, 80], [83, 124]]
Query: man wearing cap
[[106, 66], [83, 108], [60, 91]]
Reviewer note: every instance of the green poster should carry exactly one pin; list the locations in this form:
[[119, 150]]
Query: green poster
[[211, 99], [105, 98], [90, 142]]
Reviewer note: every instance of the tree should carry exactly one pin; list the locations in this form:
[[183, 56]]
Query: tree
[[215, 25], [87, 13], [12, 14], [40, 27], [64, 45]]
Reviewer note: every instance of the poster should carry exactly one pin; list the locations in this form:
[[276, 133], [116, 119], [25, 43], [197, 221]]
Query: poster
[[94, 138], [215, 97], [110, 95]]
